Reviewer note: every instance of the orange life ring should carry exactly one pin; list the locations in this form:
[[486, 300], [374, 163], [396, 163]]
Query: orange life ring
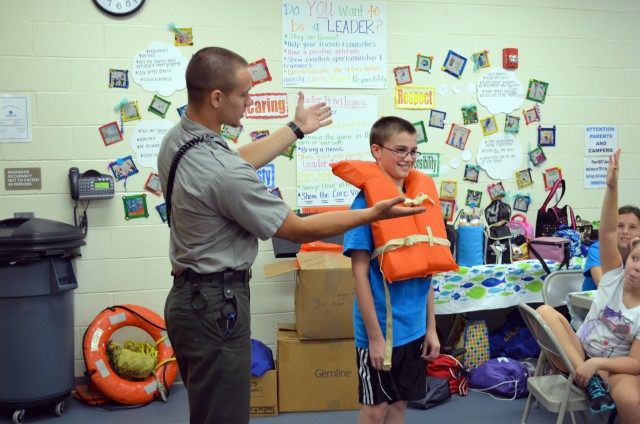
[[104, 378]]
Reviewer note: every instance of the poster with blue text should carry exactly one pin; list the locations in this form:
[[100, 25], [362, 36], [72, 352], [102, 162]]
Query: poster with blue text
[[334, 44]]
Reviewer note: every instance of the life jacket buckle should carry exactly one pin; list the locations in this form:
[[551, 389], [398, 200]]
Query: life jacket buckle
[[411, 240]]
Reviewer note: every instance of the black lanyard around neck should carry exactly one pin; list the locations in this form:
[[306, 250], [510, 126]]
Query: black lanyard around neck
[[174, 167]]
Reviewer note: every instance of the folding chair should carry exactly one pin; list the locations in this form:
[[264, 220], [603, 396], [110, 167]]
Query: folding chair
[[556, 392], [559, 284]]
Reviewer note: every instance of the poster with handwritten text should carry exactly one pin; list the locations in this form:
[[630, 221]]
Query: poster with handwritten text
[[334, 44], [346, 138]]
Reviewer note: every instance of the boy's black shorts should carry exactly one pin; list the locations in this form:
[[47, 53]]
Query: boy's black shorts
[[407, 379]]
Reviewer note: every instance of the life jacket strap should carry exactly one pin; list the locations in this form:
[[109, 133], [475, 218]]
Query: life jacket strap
[[397, 243], [388, 347], [380, 251], [421, 197]]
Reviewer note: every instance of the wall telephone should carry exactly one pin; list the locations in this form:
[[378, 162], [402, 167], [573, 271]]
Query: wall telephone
[[90, 185]]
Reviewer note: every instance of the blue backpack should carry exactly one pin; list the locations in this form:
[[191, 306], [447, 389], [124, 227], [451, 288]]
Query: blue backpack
[[575, 243]]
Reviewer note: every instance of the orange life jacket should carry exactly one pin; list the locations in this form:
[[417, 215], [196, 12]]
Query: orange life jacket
[[410, 246]]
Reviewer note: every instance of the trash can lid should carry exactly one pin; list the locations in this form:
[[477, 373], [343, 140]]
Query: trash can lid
[[36, 234]]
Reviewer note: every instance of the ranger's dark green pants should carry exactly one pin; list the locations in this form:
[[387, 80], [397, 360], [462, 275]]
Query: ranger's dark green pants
[[213, 353]]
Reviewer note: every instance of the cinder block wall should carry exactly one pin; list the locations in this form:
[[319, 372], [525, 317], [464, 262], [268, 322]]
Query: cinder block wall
[[60, 51]]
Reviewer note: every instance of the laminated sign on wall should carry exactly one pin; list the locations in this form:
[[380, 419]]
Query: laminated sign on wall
[[600, 140]]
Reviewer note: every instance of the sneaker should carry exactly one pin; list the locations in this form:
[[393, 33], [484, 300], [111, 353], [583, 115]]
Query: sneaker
[[598, 396]]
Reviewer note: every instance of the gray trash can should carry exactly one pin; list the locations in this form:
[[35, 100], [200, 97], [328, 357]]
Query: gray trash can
[[37, 279]]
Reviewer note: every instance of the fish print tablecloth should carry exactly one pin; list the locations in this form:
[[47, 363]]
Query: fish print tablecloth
[[492, 286]]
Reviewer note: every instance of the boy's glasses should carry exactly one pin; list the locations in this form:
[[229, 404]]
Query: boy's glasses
[[403, 153]]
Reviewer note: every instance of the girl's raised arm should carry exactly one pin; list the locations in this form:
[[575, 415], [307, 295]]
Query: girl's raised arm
[[609, 255]]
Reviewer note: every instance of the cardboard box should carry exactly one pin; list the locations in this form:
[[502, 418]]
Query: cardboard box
[[316, 375], [264, 395], [323, 294]]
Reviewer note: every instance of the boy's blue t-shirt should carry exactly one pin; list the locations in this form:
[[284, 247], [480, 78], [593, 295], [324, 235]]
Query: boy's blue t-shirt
[[593, 259], [408, 297]]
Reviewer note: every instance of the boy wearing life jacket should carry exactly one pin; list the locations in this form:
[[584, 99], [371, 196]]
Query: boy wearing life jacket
[[384, 393]]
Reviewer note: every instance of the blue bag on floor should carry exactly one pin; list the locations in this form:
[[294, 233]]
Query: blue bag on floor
[[513, 339], [504, 377]]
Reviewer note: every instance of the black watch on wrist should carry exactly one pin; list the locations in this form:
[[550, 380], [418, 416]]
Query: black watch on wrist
[[296, 130]]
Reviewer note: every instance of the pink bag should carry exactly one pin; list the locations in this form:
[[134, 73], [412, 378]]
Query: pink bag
[[554, 249], [521, 227]]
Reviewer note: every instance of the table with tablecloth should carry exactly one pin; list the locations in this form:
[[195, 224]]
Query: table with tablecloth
[[485, 287]]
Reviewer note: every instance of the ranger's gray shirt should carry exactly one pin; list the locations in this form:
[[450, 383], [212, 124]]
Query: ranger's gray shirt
[[219, 205]]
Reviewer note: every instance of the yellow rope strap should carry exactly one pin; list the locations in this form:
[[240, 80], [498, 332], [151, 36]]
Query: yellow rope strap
[[166, 360]]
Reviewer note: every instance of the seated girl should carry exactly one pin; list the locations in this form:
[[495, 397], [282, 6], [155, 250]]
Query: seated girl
[[605, 351]]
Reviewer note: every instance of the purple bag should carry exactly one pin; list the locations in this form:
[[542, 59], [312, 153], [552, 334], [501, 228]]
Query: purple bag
[[504, 377]]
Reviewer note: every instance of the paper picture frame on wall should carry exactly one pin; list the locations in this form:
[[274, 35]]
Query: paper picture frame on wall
[[481, 60], [550, 177], [437, 118], [471, 173], [454, 64], [159, 106], [521, 202], [537, 91], [231, 133], [183, 38], [537, 156], [424, 63], [531, 115], [123, 168], [403, 75], [474, 198], [496, 191], [511, 124], [420, 132], [458, 136], [259, 72], [448, 189], [110, 133], [523, 178], [153, 184], [489, 125], [135, 206], [162, 211], [130, 111], [469, 114], [448, 207], [546, 136], [118, 78]]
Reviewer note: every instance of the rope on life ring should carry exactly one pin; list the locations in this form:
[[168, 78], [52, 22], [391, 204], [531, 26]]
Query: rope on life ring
[[94, 346]]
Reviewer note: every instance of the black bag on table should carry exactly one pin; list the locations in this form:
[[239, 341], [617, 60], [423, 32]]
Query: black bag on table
[[584, 227], [497, 244], [549, 219], [497, 241], [452, 235]]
